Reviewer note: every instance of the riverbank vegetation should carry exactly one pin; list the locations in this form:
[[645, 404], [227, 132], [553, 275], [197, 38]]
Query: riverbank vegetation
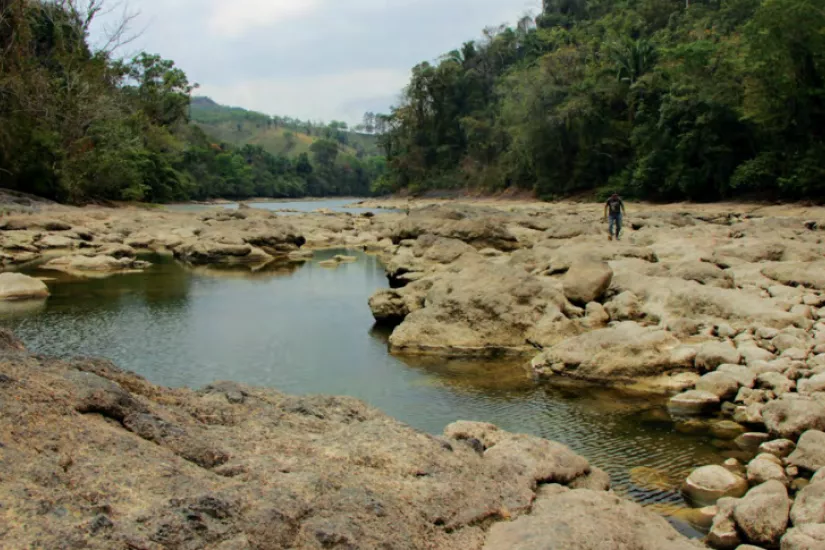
[[77, 124], [665, 100]]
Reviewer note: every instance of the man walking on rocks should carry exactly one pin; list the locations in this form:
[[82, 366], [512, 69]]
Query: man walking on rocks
[[614, 207]]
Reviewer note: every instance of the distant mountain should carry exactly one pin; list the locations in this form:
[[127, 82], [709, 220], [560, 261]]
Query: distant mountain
[[277, 135]]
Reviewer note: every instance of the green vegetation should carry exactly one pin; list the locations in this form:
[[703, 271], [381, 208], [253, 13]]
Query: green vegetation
[[278, 135], [78, 125], [658, 99]]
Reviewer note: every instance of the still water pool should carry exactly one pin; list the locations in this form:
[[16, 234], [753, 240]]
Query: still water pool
[[308, 329]]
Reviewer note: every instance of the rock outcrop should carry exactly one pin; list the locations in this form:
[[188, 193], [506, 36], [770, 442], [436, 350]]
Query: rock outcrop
[[95, 457], [16, 286]]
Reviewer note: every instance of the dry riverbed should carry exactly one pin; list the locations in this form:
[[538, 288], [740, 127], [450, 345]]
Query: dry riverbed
[[721, 305]]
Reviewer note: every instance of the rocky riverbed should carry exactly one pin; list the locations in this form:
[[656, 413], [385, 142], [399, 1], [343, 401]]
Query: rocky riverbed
[[722, 306]]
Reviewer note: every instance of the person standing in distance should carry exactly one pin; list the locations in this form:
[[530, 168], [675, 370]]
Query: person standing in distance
[[614, 208]]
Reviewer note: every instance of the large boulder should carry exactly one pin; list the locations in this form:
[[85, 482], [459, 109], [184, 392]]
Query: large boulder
[[810, 451], [586, 281], [204, 252], [622, 352], [705, 485], [720, 384], [692, 403], [789, 417], [762, 514], [16, 286], [478, 231], [586, 520], [483, 309], [807, 274], [809, 505]]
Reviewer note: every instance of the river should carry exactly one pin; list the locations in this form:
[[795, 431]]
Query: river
[[308, 329]]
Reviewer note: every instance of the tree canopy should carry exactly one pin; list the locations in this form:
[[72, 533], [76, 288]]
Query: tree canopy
[[659, 99], [77, 124]]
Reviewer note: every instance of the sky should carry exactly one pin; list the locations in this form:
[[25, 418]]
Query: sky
[[321, 60]]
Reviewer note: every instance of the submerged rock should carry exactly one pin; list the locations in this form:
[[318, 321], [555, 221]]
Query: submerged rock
[[705, 485]]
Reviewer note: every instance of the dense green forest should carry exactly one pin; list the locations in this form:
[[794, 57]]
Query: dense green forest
[[77, 124], [659, 99]]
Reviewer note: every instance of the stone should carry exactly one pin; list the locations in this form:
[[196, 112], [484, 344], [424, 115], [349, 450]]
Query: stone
[[692, 402], [750, 414], [720, 384], [713, 354], [56, 242], [707, 484], [807, 274], [761, 470], [805, 537], [762, 514], [624, 307], [596, 315], [789, 418], [811, 385], [780, 448], [723, 534], [587, 281], [809, 505], [751, 353], [776, 382], [16, 286], [750, 441], [726, 430], [810, 451], [82, 265], [744, 376], [624, 351], [556, 524]]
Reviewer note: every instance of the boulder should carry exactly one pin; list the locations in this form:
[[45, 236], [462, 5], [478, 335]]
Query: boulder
[[713, 354], [692, 402], [806, 274], [726, 430], [761, 470], [750, 441], [586, 281], [557, 524], [788, 418], [812, 385], [810, 451], [56, 241], [805, 537], [210, 252], [596, 316], [705, 485], [779, 448], [762, 514], [744, 376], [720, 384], [809, 505], [723, 534], [388, 307], [82, 265], [776, 382], [16, 286], [624, 307], [623, 352]]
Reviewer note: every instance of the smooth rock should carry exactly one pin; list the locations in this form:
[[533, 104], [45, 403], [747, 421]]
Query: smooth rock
[[707, 484], [811, 385], [805, 537], [809, 505], [762, 514], [723, 534], [810, 451], [713, 354], [761, 470], [789, 418], [16, 286], [780, 448], [692, 402], [751, 441], [720, 384], [586, 281]]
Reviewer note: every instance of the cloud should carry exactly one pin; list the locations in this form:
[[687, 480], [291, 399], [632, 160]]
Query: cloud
[[233, 18], [317, 59]]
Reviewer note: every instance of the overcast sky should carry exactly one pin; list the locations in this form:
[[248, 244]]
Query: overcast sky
[[311, 59]]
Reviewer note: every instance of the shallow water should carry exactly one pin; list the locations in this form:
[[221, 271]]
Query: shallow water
[[285, 207], [308, 329]]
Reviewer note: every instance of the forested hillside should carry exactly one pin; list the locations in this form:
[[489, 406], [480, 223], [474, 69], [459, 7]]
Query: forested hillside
[[660, 99], [278, 135], [76, 124]]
